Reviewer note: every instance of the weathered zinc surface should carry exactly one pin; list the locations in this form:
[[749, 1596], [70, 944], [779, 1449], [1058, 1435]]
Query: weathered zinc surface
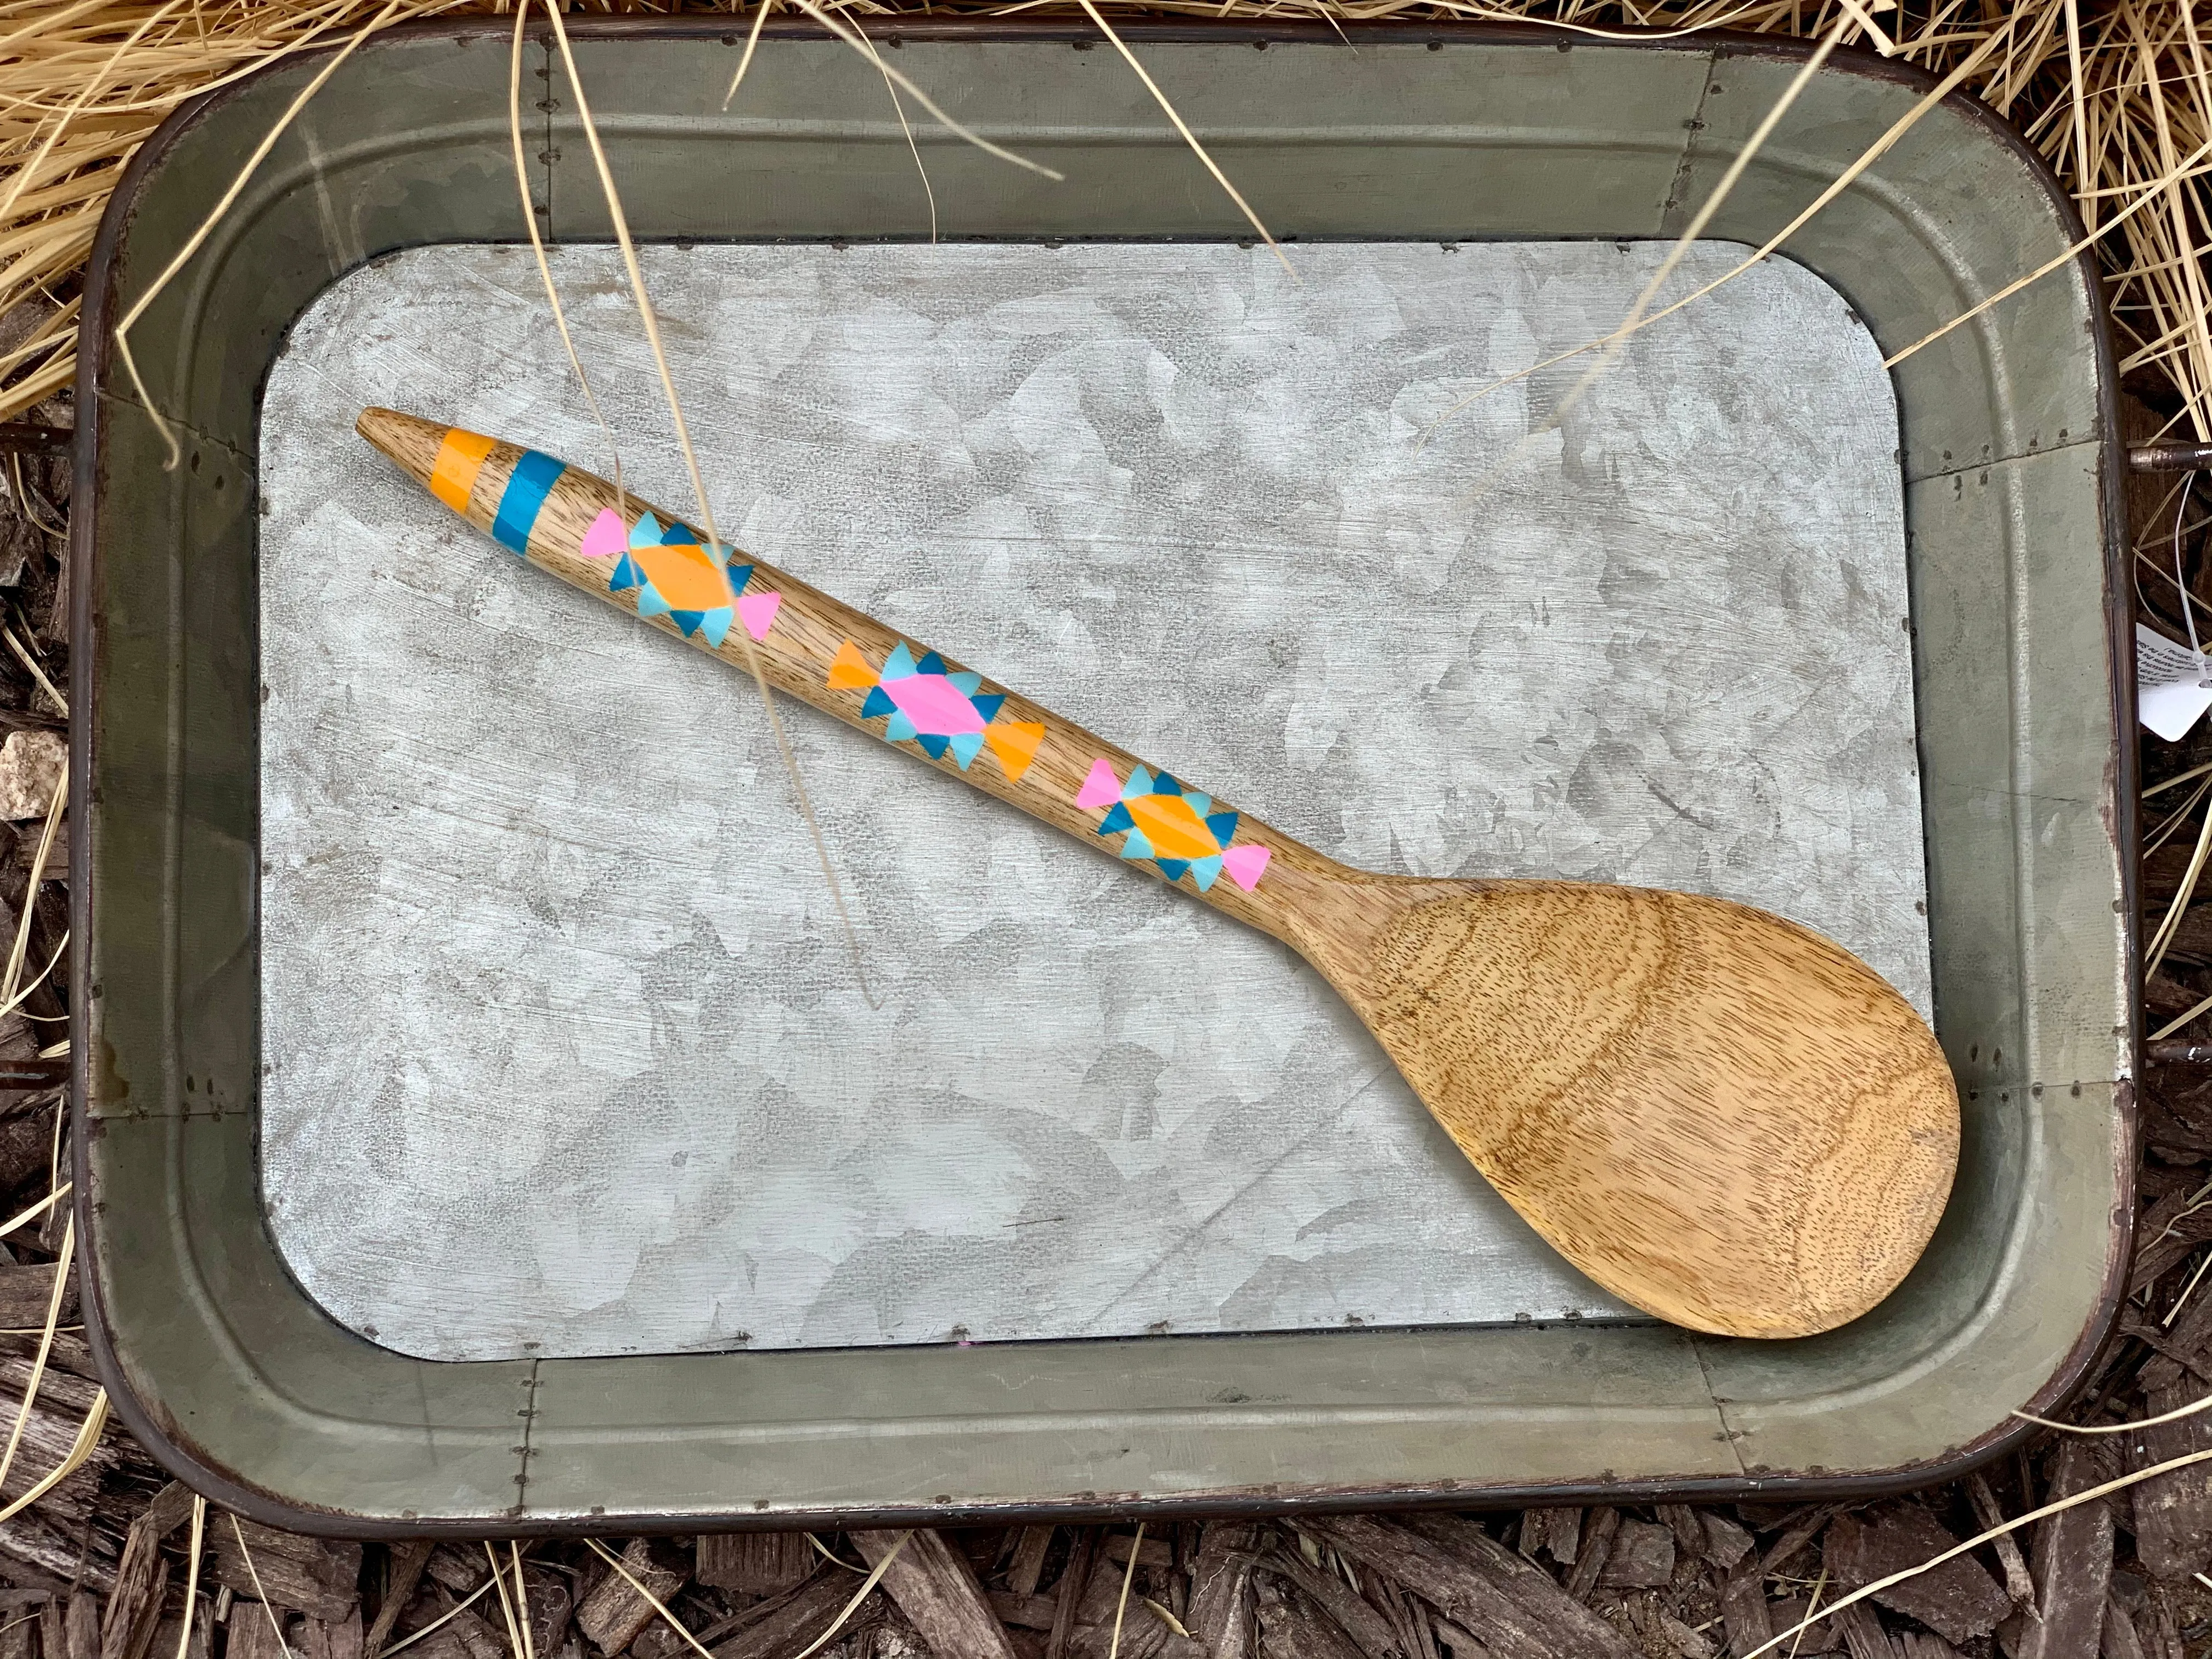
[[568, 1053]]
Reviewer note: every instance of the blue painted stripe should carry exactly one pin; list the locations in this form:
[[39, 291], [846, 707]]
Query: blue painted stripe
[[525, 495]]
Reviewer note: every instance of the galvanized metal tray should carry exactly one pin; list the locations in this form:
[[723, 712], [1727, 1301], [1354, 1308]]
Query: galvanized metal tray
[[565, 1052], [1450, 134]]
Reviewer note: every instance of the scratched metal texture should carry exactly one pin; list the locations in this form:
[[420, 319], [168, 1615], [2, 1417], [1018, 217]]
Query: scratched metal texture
[[565, 1051]]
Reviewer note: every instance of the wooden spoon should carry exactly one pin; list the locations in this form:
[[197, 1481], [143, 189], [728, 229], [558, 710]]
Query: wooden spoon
[[1720, 1116]]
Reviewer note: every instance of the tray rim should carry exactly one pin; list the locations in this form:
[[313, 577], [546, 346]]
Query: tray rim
[[233, 1489]]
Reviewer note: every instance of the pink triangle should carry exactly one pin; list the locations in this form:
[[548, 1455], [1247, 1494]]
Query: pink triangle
[[1245, 865], [757, 612], [606, 537], [1101, 788]]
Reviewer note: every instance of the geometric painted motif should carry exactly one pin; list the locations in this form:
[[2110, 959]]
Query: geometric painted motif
[[1176, 828], [945, 713], [675, 577]]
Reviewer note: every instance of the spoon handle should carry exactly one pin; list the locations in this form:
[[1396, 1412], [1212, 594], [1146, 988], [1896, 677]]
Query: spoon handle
[[639, 559]]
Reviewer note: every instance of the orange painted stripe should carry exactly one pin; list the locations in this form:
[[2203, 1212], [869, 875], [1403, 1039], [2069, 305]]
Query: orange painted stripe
[[460, 458]]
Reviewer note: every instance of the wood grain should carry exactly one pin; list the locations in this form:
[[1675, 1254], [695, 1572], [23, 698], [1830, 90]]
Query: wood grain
[[1958, 1599], [937, 1590], [2073, 1558], [1221, 1583], [1720, 1116], [1370, 1632], [757, 1563], [1512, 1608]]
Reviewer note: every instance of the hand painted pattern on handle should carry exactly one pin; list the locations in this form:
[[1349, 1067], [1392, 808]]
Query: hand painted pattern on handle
[[581, 529], [668, 565], [675, 577], [1173, 825], [946, 712], [925, 703]]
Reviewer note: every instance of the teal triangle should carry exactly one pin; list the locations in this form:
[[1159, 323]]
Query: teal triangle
[[1203, 870], [649, 602], [970, 684], [966, 747], [1136, 847], [899, 664], [1140, 783]]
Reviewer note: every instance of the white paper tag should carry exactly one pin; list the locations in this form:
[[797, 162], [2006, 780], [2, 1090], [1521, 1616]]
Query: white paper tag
[[2174, 685]]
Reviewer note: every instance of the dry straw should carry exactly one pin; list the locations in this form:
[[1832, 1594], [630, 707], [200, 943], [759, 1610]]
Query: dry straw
[[2118, 100]]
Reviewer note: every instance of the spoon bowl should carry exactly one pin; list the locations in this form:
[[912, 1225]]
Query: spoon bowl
[[1720, 1116]]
